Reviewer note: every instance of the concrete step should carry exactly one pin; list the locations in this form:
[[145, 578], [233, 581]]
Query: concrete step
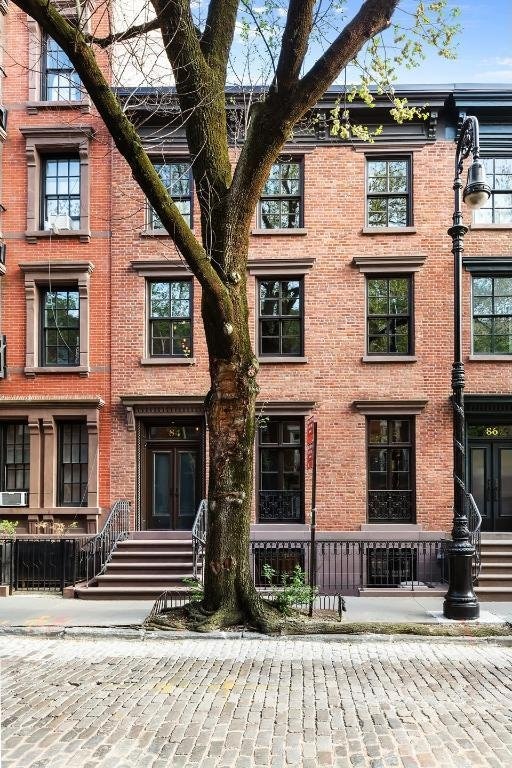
[[496, 554], [495, 580], [149, 567], [143, 544], [491, 594], [138, 555], [160, 535], [493, 566], [162, 580], [128, 593]]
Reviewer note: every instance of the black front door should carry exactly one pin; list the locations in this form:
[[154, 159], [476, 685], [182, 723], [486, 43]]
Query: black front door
[[173, 476], [490, 482]]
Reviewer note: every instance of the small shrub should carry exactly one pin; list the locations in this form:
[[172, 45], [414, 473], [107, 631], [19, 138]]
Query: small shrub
[[196, 589], [8, 528], [292, 591]]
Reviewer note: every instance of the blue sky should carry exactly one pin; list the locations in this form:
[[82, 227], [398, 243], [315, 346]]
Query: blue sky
[[484, 48]]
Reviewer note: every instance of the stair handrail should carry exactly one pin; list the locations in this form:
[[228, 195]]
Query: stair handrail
[[97, 551], [199, 538], [474, 526]]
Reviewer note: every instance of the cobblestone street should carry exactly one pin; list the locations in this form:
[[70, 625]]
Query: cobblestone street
[[240, 703]]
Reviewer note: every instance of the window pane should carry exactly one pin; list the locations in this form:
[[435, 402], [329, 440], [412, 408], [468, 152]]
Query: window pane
[[377, 430]]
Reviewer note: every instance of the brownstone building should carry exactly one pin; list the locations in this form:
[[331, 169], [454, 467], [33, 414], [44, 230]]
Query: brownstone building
[[350, 284]]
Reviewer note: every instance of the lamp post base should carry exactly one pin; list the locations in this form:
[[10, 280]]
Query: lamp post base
[[460, 602]]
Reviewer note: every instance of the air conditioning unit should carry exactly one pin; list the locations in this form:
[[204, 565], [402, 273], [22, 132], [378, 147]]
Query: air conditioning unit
[[13, 499], [58, 223]]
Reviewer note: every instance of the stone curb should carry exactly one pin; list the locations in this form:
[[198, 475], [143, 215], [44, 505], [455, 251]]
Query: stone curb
[[140, 633]]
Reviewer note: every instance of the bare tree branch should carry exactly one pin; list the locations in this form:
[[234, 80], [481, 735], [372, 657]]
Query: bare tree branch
[[127, 140], [128, 34], [294, 45], [373, 17]]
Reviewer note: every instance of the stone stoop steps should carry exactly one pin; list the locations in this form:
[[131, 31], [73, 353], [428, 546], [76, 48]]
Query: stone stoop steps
[[495, 580], [143, 566]]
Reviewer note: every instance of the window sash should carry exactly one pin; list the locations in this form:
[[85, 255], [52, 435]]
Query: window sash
[[492, 329], [390, 469], [392, 328], [58, 67], [60, 327], [280, 331], [73, 466], [498, 209], [278, 207], [60, 179], [391, 207], [183, 199], [281, 470], [170, 331], [15, 456]]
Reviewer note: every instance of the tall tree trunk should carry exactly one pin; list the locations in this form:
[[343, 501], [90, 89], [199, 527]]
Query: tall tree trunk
[[230, 593]]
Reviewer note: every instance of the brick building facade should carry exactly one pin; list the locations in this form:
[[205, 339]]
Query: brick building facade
[[350, 292]]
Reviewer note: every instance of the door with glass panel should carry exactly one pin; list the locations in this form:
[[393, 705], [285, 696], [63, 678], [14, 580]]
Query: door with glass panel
[[172, 479], [490, 475]]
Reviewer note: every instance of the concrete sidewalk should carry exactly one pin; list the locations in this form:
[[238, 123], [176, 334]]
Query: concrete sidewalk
[[48, 610]]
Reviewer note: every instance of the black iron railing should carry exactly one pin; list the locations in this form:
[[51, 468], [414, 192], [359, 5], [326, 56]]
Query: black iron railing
[[97, 551], [40, 564], [199, 539], [474, 525], [390, 507], [280, 506], [346, 566]]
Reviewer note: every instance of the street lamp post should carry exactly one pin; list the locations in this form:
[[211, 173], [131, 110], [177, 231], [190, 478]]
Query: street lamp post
[[460, 600]]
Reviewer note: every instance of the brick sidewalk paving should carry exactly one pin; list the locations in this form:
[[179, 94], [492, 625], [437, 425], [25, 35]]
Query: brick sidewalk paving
[[244, 703]]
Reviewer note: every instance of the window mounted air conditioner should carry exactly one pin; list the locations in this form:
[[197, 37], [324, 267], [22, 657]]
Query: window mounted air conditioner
[[13, 499], [58, 223]]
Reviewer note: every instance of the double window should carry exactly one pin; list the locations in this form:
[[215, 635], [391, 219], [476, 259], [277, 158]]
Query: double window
[[389, 315], [73, 464], [280, 317], [60, 327], [388, 192], [390, 470], [170, 318], [492, 315], [281, 470], [498, 209], [177, 179], [14, 456], [61, 193], [281, 205], [60, 81]]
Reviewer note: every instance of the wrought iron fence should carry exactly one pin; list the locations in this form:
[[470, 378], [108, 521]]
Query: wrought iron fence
[[44, 564], [97, 551], [345, 566]]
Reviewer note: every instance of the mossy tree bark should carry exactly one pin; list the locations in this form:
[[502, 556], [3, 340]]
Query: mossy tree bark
[[227, 201]]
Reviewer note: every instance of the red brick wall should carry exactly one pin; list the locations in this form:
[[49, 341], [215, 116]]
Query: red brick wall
[[97, 251]]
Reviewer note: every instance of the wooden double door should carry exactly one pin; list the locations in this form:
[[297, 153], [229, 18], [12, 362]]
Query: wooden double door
[[173, 475], [490, 477]]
